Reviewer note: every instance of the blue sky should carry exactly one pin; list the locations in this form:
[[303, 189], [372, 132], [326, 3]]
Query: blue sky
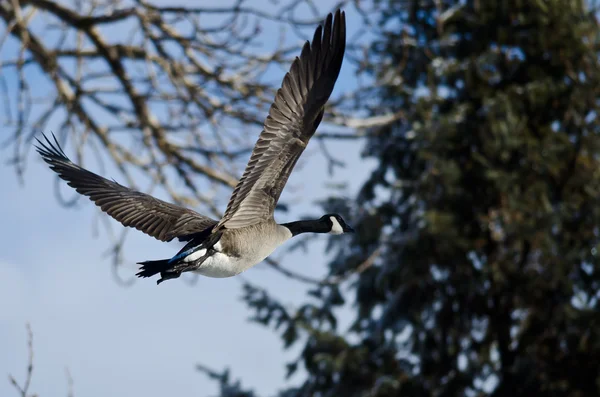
[[143, 339]]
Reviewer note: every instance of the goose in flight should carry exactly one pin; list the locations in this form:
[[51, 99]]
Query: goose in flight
[[247, 233]]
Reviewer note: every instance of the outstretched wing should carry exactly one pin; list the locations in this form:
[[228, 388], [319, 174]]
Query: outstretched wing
[[150, 215], [293, 119]]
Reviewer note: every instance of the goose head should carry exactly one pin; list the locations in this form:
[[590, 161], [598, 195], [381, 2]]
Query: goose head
[[336, 224]]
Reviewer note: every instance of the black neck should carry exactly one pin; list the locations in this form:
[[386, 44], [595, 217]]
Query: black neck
[[314, 226]]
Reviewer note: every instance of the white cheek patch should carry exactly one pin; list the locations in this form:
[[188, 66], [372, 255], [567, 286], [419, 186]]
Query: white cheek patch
[[336, 228], [195, 255]]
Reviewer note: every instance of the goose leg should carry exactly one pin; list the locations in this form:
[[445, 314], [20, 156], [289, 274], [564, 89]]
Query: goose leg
[[167, 276], [195, 265], [176, 271]]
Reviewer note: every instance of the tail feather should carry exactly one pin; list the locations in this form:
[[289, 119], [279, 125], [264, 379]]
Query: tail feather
[[150, 268]]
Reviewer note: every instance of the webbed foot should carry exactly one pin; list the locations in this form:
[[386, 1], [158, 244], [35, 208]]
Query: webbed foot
[[167, 276]]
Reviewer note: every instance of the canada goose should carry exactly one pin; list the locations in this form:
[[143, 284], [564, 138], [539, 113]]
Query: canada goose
[[247, 232]]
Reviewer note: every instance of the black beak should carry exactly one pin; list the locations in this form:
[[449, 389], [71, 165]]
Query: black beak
[[348, 229]]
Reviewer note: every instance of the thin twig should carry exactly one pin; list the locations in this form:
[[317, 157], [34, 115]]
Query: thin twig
[[29, 373]]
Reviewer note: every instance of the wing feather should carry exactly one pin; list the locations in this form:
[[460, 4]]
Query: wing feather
[[157, 218], [293, 119]]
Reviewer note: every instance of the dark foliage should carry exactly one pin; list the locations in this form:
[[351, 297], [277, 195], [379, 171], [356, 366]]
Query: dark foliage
[[484, 208]]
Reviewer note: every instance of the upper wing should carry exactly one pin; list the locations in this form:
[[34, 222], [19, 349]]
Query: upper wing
[[293, 119], [152, 216]]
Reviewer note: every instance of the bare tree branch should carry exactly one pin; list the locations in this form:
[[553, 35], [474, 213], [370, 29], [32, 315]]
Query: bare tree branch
[[70, 391], [23, 390]]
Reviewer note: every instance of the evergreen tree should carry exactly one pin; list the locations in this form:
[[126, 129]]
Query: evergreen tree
[[481, 220]]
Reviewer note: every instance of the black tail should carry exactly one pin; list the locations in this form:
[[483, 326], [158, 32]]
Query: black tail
[[150, 268]]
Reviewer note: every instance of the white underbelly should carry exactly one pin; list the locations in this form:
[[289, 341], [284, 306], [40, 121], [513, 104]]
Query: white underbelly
[[220, 265]]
